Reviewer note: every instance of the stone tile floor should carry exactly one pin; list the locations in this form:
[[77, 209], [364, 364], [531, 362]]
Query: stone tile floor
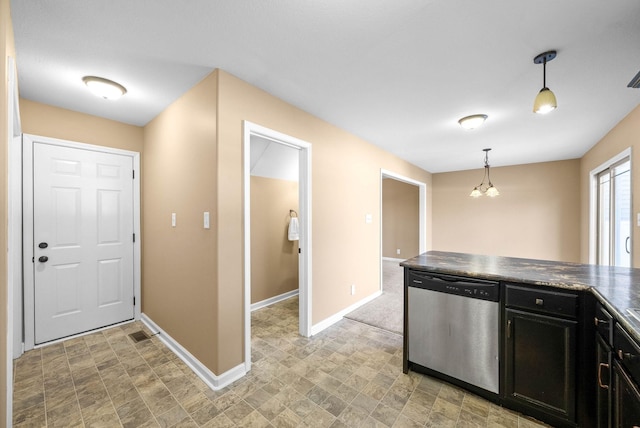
[[350, 375]]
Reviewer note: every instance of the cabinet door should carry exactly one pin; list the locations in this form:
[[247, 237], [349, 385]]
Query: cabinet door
[[603, 383], [626, 399], [540, 362]]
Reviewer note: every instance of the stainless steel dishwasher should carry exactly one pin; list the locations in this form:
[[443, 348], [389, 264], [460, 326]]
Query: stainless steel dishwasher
[[454, 329]]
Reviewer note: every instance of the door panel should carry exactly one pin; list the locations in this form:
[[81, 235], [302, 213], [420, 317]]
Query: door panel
[[541, 344], [83, 217]]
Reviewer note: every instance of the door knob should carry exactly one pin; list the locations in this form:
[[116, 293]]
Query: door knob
[[43, 259], [43, 245]]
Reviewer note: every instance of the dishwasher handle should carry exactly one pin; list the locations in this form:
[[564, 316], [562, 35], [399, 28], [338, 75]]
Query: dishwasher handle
[[458, 285], [417, 278]]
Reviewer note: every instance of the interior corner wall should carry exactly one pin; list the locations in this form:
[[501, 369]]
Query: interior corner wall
[[626, 134], [179, 287], [537, 214], [7, 47], [345, 188], [274, 259], [400, 219]]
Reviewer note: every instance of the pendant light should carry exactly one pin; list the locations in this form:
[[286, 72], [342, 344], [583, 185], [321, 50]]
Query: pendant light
[[482, 188], [545, 100]]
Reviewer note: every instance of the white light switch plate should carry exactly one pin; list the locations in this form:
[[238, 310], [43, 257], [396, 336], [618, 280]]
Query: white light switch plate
[[173, 219], [638, 219], [207, 224], [368, 219]]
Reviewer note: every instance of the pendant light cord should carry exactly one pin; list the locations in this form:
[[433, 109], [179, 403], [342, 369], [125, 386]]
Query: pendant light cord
[[487, 168]]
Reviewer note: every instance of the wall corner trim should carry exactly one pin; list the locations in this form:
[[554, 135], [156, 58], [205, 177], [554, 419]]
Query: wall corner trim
[[213, 381], [328, 322]]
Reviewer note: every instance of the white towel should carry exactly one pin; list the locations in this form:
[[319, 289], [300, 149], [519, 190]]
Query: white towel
[[294, 229]]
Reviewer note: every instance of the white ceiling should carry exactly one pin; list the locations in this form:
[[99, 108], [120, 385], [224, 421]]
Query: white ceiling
[[273, 160], [397, 73]]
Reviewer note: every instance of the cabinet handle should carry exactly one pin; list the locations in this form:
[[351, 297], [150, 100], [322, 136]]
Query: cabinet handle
[[600, 384], [625, 355], [597, 321], [508, 329]]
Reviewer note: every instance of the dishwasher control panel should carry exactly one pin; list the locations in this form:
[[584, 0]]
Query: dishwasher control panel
[[450, 284]]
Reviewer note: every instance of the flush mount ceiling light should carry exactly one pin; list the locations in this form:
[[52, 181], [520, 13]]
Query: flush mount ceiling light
[[473, 121], [545, 100], [485, 188], [104, 88]]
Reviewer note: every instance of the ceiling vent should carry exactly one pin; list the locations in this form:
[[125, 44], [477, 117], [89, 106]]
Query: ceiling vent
[[635, 82]]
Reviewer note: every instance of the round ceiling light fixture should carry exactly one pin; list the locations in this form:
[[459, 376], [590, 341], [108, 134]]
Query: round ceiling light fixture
[[104, 88], [473, 121]]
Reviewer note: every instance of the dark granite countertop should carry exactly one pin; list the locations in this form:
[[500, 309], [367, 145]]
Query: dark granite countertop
[[617, 288]]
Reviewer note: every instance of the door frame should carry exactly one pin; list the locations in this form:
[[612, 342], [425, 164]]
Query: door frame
[[304, 214], [14, 234], [422, 216], [593, 203], [28, 238]]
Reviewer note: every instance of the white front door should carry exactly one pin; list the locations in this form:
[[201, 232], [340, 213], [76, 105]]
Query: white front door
[[83, 224]]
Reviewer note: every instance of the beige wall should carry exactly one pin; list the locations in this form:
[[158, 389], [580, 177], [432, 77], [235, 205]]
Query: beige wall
[[274, 259], [624, 135], [179, 291], [537, 214], [400, 219], [7, 46], [48, 121], [346, 187]]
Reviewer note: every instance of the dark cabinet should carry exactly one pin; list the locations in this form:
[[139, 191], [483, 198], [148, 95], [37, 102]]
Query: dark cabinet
[[542, 345], [617, 373], [604, 387], [540, 353], [626, 399], [603, 383], [626, 372]]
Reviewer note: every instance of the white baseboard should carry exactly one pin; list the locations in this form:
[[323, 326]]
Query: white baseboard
[[212, 380], [315, 329], [391, 259], [275, 299]]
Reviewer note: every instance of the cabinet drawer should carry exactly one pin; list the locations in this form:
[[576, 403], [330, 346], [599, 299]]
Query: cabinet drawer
[[627, 351], [548, 302]]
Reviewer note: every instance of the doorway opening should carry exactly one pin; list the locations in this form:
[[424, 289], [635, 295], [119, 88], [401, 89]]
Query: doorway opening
[[401, 191], [267, 150], [403, 229]]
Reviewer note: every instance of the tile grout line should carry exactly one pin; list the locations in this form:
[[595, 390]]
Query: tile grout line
[[129, 376], [44, 391], [75, 390], [102, 380]]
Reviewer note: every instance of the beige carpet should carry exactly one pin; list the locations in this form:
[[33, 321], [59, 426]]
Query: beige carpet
[[386, 311]]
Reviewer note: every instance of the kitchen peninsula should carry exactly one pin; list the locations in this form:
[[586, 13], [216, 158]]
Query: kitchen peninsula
[[541, 321]]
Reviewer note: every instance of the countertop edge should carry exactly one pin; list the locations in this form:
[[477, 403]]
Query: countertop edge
[[630, 324]]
